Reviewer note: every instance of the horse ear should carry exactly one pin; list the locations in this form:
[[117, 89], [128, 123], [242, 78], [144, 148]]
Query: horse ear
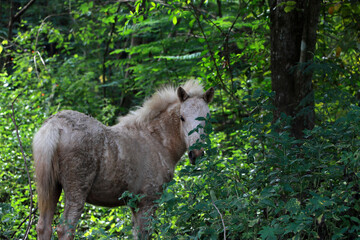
[[182, 94], [209, 95]]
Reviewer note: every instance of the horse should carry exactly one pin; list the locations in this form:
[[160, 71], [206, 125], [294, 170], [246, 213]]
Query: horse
[[96, 164]]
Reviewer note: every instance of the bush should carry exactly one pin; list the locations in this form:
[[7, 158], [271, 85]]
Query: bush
[[269, 185]]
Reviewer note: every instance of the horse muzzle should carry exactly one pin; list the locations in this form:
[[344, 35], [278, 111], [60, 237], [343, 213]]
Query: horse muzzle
[[193, 154]]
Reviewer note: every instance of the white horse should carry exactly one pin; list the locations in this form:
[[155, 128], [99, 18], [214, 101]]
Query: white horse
[[96, 164]]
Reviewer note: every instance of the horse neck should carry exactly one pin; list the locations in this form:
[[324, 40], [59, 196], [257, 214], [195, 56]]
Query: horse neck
[[167, 129]]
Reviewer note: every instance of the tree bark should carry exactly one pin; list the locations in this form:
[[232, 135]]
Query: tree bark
[[293, 38], [15, 17]]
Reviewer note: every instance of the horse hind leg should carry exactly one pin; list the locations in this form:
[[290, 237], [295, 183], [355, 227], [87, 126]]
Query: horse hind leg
[[76, 182], [45, 145], [47, 210]]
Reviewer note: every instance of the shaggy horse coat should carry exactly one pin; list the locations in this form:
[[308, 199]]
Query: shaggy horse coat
[[96, 164]]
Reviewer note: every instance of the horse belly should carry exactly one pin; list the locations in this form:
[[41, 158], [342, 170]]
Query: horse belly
[[111, 179], [106, 195]]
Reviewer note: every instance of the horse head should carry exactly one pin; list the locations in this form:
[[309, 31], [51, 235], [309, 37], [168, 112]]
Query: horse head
[[191, 109]]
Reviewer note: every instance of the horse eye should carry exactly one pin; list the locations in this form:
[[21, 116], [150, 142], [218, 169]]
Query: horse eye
[[182, 118]]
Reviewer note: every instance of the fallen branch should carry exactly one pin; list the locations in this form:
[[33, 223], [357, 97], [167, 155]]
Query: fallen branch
[[26, 168]]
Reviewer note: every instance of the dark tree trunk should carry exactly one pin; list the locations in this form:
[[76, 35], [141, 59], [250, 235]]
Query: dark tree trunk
[[293, 38]]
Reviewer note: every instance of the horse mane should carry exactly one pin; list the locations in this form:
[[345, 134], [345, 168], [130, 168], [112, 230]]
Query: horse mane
[[159, 101]]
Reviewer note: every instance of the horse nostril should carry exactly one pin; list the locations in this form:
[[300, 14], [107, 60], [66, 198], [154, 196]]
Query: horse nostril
[[192, 157]]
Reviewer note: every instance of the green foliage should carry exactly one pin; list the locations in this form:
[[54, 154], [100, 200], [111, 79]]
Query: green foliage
[[276, 188], [255, 181], [14, 188], [131, 199]]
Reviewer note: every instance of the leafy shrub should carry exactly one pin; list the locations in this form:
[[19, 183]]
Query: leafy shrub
[[270, 185]]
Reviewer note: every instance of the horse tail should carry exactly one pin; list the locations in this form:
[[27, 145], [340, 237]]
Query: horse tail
[[45, 144]]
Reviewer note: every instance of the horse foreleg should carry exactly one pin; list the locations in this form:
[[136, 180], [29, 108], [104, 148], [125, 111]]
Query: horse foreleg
[[77, 178], [141, 218]]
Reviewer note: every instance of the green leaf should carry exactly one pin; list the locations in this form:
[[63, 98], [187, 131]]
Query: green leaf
[[293, 206], [291, 3], [168, 196], [355, 219], [174, 20], [268, 233], [289, 8], [212, 195], [200, 119]]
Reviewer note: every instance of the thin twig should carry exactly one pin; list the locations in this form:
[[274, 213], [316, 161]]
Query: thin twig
[[222, 220], [226, 46], [37, 39], [26, 167], [23, 9], [43, 22], [214, 60], [11, 43], [107, 48], [23, 221]]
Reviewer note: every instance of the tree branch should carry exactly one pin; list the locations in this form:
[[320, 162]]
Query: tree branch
[[15, 17], [22, 11], [11, 43], [222, 220], [214, 60]]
